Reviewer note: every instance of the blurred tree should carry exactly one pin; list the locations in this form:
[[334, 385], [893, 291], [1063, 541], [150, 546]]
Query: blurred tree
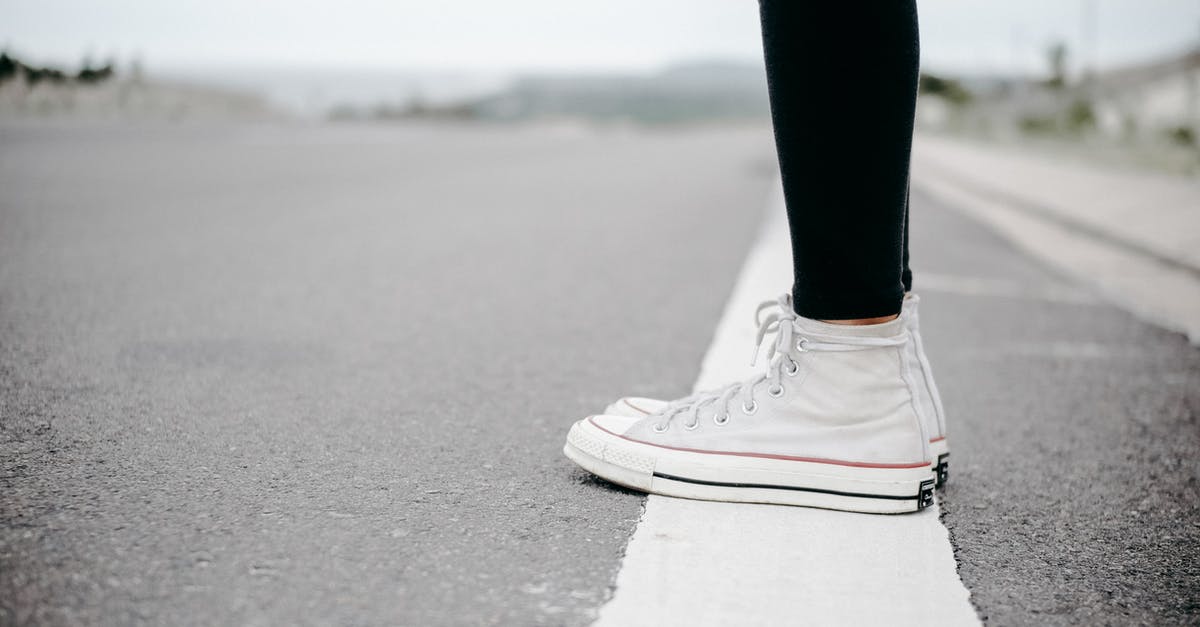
[[12, 68], [35, 75], [1181, 136], [8, 67], [88, 74], [1056, 55], [952, 90], [1080, 117]]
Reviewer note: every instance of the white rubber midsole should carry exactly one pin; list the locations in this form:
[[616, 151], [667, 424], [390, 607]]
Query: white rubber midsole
[[738, 478], [939, 448]]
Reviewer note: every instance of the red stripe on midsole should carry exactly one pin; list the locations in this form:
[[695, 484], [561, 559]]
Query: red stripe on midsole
[[811, 460]]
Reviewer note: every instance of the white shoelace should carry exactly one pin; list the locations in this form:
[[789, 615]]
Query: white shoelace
[[782, 357]]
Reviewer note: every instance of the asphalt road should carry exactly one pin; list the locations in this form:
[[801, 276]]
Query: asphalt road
[[321, 375]]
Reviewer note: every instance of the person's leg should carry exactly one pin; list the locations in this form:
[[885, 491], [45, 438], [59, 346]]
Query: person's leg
[[843, 85]]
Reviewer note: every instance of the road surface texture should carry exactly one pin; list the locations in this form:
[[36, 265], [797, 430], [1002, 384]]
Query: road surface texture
[[1075, 490], [322, 375]]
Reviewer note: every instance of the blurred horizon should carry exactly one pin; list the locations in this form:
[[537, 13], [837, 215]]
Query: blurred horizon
[[189, 37], [1105, 76]]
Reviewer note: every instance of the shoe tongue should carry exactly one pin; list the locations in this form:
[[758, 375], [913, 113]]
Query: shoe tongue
[[886, 329]]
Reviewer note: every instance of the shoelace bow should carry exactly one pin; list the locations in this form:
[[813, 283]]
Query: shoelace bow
[[782, 357]]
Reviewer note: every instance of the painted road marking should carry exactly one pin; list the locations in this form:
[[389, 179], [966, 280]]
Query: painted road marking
[[702, 563]]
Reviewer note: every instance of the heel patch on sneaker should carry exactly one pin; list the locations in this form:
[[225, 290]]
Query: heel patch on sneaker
[[943, 469], [925, 495]]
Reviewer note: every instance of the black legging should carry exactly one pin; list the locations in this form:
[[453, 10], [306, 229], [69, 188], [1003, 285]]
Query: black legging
[[843, 83]]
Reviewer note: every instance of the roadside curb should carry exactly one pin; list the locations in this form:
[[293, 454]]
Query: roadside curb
[[1153, 285], [1153, 215]]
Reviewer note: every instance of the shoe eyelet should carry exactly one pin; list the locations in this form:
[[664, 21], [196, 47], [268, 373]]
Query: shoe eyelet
[[691, 426], [721, 419], [802, 345], [775, 391], [750, 409], [658, 428], [791, 372]]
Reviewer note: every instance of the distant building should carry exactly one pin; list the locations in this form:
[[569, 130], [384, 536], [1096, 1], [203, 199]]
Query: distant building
[[1163, 96]]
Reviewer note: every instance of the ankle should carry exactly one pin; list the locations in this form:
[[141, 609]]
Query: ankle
[[858, 322]]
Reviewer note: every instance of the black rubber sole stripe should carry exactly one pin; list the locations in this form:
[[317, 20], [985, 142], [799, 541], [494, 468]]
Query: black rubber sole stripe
[[663, 475]]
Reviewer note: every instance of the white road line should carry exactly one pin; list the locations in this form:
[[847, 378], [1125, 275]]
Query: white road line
[[700, 563]]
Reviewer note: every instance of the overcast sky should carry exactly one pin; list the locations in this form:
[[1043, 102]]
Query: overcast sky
[[957, 35]]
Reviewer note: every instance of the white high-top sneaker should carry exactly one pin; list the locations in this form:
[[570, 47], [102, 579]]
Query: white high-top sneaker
[[833, 422], [927, 395]]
